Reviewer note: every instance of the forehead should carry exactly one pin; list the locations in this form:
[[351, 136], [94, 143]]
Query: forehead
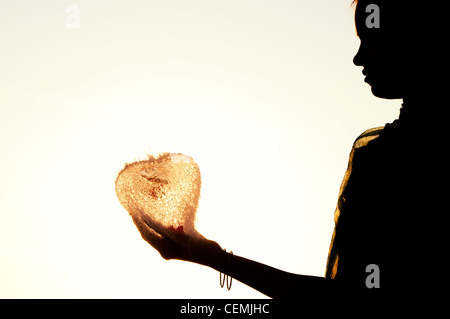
[[363, 13], [391, 15], [401, 21]]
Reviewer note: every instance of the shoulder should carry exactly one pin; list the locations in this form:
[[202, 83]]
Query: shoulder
[[366, 148], [367, 136]]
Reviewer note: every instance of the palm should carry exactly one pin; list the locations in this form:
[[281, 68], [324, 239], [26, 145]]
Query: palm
[[185, 247]]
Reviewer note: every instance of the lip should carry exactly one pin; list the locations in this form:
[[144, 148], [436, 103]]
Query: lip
[[365, 72]]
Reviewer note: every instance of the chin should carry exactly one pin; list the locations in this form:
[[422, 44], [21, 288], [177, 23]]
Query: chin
[[386, 94], [386, 91]]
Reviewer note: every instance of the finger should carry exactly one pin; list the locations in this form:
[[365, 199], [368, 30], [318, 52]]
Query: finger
[[162, 245], [167, 233]]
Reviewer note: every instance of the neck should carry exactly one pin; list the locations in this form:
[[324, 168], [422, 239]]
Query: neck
[[422, 111], [425, 93]]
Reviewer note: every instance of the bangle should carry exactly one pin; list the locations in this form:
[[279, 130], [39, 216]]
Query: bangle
[[228, 259]]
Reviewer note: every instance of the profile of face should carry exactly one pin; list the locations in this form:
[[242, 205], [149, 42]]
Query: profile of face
[[388, 53]]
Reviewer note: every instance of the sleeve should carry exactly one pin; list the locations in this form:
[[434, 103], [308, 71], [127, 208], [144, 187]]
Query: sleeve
[[333, 254]]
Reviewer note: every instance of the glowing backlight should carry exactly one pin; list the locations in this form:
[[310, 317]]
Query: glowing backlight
[[163, 192]]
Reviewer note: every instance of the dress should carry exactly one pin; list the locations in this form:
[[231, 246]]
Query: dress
[[391, 206]]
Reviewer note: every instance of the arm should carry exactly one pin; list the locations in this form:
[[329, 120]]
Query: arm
[[270, 281]]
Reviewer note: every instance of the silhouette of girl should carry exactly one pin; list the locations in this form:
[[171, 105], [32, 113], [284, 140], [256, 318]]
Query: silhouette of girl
[[392, 196]]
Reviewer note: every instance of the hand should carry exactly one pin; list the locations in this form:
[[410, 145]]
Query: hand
[[194, 249]]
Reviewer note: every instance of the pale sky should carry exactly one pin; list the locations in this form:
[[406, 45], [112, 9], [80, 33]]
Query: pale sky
[[262, 94]]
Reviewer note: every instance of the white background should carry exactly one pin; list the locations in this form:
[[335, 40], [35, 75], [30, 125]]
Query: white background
[[262, 94]]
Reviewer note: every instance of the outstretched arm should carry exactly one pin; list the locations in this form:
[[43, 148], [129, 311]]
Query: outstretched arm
[[270, 281]]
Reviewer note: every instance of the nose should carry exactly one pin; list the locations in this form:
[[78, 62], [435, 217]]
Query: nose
[[357, 60]]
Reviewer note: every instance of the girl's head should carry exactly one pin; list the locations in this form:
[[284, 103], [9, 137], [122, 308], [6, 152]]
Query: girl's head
[[396, 50]]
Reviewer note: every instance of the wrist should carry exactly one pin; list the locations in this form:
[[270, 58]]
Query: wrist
[[207, 253]]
